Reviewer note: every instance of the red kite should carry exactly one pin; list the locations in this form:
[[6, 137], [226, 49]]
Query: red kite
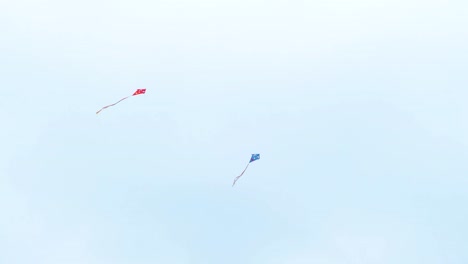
[[137, 92]]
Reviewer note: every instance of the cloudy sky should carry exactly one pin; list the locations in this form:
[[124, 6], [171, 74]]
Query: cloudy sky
[[358, 109]]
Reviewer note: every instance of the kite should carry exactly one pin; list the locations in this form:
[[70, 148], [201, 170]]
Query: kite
[[252, 159], [137, 92]]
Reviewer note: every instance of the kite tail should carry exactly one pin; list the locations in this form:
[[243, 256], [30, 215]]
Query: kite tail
[[240, 175], [111, 104]]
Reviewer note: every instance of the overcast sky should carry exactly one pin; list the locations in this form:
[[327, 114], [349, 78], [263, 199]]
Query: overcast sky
[[358, 109]]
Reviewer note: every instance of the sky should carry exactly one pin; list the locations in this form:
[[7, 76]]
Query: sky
[[358, 109]]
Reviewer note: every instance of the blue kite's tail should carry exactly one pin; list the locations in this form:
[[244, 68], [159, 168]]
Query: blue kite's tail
[[240, 175]]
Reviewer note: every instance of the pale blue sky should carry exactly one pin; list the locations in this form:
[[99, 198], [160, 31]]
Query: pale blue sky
[[358, 109]]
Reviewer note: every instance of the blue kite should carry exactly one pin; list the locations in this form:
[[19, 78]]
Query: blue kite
[[252, 159]]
